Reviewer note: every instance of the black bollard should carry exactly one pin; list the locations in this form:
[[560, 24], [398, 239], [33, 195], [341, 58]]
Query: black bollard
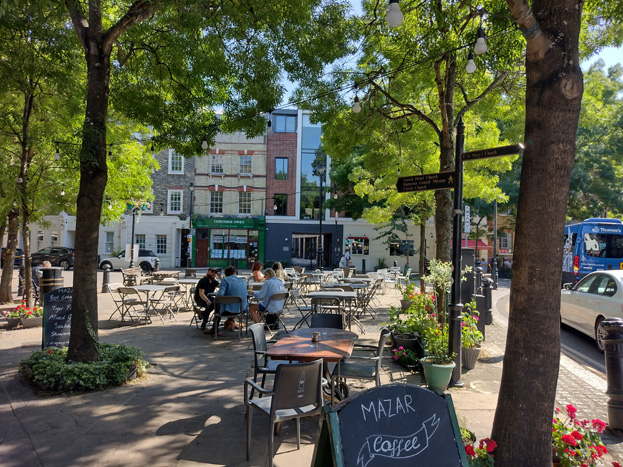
[[363, 266], [487, 291], [481, 307], [612, 330], [52, 279], [106, 278], [478, 271], [156, 265]]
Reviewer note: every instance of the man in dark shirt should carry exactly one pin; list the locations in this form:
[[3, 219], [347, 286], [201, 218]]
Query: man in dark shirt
[[206, 285]]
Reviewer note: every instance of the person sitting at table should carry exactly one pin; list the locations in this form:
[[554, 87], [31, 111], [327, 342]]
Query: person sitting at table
[[231, 285], [279, 271], [37, 272], [256, 272], [343, 262], [206, 285], [271, 285]]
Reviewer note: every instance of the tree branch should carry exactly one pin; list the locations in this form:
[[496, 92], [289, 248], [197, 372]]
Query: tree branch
[[492, 86], [537, 44], [139, 11], [78, 19]]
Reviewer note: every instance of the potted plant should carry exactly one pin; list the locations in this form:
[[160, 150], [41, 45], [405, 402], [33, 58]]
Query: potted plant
[[437, 363], [407, 358], [13, 318], [32, 318], [471, 337], [481, 454], [408, 294]]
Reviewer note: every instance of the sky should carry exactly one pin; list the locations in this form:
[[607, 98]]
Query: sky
[[610, 55]]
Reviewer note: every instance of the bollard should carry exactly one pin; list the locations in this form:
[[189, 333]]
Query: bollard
[[20, 276], [52, 279], [487, 291], [106, 278], [478, 271], [612, 331], [156, 265], [363, 266], [480, 306]]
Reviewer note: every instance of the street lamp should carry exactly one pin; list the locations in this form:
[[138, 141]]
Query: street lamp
[[321, 171], [191, 188], [136, 208]]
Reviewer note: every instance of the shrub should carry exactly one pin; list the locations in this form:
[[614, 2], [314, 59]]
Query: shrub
[[51, 372]]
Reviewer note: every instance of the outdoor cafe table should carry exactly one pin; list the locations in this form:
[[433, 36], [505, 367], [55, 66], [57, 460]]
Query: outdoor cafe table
[[354, 285], [188, 283], [356, 279], [148, 289], [344, 297], [335, 345]]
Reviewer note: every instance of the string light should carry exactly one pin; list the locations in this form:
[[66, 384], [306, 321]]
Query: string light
[[63, 191], [481, 45], [394, 15], [57, 154], [471, 66], [356, 105], [204, 144]]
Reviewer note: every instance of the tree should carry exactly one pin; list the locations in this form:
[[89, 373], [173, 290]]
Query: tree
[[553, 98], [596, 177], [174, 63]]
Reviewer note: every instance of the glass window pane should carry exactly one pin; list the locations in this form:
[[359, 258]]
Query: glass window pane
[[244, 202], [161, 244], [216, 202], [176, 162], [245, 165], [281, 202], [218, 244], [216, 166], [281, 168]]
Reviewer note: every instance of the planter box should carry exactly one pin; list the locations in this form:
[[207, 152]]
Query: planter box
[[12, 323], [32, 322], [469, 357]]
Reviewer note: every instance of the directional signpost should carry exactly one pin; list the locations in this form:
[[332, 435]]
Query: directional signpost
[[438, 181], [492, 152]]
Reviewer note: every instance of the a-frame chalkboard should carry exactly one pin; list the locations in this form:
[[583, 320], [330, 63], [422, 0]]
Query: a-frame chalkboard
[[57, 317], [397, 424]]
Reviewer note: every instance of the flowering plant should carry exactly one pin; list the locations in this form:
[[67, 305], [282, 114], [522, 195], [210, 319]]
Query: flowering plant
[[406, 356], [481, 456], [436, 338], [577, 442], [415, 318], [471, 337], [22, 311]]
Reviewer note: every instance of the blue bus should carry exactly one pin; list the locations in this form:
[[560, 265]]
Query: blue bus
[[592, 245]]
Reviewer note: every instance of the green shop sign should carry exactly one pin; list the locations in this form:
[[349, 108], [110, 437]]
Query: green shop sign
[[229, 223]]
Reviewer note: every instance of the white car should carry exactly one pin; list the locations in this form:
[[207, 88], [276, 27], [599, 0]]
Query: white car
[[599, 295], [146, 260]]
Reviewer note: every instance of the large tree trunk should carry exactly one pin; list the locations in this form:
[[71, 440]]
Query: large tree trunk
[[93, 178], [6, 287], [28, 287], [553, 97]]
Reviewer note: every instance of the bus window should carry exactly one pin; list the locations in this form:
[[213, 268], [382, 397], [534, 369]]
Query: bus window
[[603, 245]]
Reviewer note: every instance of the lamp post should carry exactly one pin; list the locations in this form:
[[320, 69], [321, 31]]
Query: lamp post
[[134, 209], [494, 261], [191, 188], [321, 171]]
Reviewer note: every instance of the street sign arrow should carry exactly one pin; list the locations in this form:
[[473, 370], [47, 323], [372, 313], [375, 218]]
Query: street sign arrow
[[438, 181], [492, 152]]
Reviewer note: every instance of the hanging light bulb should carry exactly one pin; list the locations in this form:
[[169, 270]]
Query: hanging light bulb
[[394, 15], [471, 66], [481, 45], [356, 105], [63, 191], [204, 143], [152, 145], [57, 154]]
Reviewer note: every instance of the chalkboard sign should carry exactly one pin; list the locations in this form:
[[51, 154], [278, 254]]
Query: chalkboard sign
[[57, 317], [398, 424]]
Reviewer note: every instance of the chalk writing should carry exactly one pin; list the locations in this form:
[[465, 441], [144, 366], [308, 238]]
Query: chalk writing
[[388, 407], [57, 317], [398, 447]]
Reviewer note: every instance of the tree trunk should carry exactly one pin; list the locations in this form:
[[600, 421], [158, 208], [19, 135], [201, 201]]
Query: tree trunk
[[93, 179], [28, 288], [553, 98], [6, 287]]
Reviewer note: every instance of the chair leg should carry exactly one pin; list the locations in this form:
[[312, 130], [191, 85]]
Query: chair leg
[[249, 423], [271, 437], [298, 433]]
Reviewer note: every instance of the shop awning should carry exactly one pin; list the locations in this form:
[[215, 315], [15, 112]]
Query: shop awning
[[472, 244]]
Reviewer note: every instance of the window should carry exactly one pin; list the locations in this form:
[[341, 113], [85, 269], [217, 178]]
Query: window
[[161, 244], [281, 168], [176, 162], [603, 245], [285, 123], [505, 242], [54, 238], [110, 242], [401, 248], [174, 205], [244, 202], [216, 202], [216, 164], [246, 166], [281, 202], [140, 239], [359, 245]]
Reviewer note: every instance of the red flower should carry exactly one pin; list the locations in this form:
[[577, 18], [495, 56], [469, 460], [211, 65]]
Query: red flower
[[569, 440], [469, 449], [571, 411], [604, 449], [577, 435], [616, 464], [570, 452], [599, 425], [49, 351]]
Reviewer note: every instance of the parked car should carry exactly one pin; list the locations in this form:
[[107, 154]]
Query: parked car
[[58, 256], [18, 253], [146, 260], [597, 296]]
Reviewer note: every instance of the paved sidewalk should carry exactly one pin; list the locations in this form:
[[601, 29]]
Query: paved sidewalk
[[190, 410]]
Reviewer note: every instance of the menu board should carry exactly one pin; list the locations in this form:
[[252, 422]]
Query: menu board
[[398, 425], [57, 317]]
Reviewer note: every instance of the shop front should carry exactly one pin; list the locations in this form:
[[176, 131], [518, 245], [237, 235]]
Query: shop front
[[220, 242]]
